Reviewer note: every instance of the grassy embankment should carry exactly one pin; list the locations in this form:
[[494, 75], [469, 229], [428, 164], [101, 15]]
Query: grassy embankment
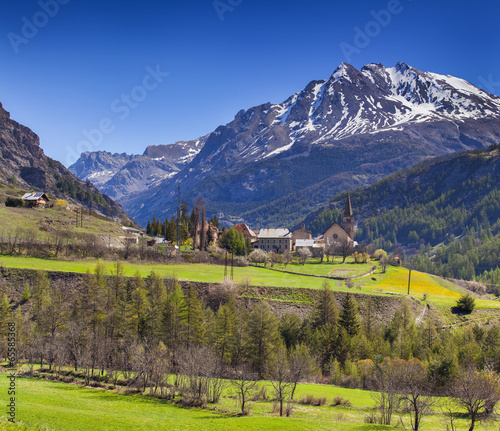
[[437, 291]]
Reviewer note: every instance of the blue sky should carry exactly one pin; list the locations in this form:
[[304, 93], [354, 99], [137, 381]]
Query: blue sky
[[121, 75]]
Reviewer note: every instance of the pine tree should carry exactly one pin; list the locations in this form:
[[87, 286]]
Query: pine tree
[[325, 311], [261, 336], [349, 317]]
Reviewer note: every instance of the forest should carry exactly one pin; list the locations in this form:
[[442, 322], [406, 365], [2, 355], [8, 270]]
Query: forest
[[138, 332]]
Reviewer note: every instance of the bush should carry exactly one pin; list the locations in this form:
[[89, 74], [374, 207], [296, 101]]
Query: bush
[[14, 202], [380, 254], [339, 401], [465, 304], [310, 400]]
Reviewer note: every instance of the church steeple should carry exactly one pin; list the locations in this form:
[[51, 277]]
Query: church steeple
[[348, 217]]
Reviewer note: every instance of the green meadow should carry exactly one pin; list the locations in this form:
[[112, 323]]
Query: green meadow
[[49, 405]]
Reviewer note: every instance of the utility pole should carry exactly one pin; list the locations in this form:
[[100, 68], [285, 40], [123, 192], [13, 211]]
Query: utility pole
[[232, 266], [409, 281], [225, 267]]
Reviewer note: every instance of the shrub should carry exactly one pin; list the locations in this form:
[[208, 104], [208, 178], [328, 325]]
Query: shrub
[[379, 254], [339, 401], [14, 202], [465, 304], [310, 400]]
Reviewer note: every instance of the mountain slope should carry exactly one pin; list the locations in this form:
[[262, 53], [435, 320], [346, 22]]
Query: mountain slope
[[446, 211], [24, 163]]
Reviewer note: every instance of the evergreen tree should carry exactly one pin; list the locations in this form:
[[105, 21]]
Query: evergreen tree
[[325, 310], [349, 317], [261, 336]]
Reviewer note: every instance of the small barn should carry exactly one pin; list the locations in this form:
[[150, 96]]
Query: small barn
[[35, 200]]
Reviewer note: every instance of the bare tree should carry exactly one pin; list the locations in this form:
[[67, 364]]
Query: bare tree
[[287, 257], [386, 397], [280, 376], [344, 247], [414, 388], [300, 366], [245, 385], [477, 392], [304, 254]]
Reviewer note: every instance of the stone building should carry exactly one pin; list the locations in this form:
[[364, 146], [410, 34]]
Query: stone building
[[300, 234], [336, 234], [275, 240]]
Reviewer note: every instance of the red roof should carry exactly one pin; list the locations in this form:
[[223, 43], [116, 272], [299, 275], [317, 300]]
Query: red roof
[[245, 230]]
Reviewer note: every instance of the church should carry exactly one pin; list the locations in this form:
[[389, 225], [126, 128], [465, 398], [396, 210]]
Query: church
[[336, 234]]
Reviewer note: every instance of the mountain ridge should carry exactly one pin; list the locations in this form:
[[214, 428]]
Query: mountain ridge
[[358, 125]]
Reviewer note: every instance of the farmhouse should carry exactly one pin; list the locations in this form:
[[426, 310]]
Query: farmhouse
[[275, 240], [246, 231], [35, 200], [300, 234]]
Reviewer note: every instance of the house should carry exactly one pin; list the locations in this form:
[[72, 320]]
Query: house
[[300, 234], [275, 240], [338, 235], [246, 231], [304, 243], [35, 200]]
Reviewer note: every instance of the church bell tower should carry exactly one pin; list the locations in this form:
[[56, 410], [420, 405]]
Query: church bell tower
[[348, 218]]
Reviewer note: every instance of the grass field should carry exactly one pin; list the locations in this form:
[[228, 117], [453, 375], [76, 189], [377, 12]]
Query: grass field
[[12, 219], [47, 405], [395, 281]]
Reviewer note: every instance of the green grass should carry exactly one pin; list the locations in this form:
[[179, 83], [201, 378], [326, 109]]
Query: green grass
[[59, 406], [12, 219], [49, 405]]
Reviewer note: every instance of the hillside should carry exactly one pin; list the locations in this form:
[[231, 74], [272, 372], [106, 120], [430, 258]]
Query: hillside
[[445, 211], [275, 163], [24, 164]]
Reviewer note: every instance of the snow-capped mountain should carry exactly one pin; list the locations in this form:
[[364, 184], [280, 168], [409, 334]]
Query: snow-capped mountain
[[276, 162], [122, 175]]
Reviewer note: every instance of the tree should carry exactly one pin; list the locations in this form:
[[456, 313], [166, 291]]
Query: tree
[[414, 388], [344, 247], [304, 253], [385, 378], [287, 257], [258, 256], [214, 221], [300, 365], [325, 310], [226, 323], [465, 304], [280, 376], [261, 335], [349, 316], [290, 327], [204, 225], [245, 385], [477, 392]]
